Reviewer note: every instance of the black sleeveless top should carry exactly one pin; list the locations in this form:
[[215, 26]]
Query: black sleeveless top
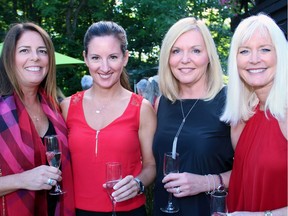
[[51, 200], [204, 147]]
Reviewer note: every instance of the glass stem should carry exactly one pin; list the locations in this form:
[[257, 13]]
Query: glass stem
[[113, 207], [170, 205], [57, 188], [170, 199]]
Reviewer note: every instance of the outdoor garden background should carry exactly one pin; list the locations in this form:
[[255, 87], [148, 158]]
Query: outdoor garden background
[[146, 22]]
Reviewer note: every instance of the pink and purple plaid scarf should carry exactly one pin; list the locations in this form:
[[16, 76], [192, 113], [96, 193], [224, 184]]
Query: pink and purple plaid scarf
[[21, 149]]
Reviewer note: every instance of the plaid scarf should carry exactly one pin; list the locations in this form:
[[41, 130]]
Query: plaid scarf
[[21, 149]]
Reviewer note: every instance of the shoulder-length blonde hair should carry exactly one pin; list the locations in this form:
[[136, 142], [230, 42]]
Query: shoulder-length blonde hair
[[9, 82], [169, 85], [241, 100]]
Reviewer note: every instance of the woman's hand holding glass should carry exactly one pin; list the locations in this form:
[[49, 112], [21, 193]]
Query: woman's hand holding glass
[[37, 178], [125, 189], [170, 165], [53, 155], [113, 176], [189, 184]]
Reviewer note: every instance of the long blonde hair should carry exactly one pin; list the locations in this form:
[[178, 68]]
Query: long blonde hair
[[241, 100]]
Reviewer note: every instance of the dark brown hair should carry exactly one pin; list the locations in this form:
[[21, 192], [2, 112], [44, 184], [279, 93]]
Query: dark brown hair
[[104, 28], [8, 79]]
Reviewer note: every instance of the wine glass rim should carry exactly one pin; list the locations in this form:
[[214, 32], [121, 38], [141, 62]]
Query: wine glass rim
[[220, 194]]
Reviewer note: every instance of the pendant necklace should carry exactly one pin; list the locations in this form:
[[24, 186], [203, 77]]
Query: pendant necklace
[[98, 111], [35, 117], [180, 127]]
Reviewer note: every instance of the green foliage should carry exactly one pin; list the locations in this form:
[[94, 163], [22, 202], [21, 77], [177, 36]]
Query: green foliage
[[225, 79], [145, 21]]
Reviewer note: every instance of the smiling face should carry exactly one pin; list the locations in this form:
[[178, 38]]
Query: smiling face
[[31, 59], [105, 60], [256, 61], [189, 59]]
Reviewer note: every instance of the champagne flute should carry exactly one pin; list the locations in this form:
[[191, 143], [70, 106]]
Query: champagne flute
[[218, 203], [53, 155], [170, 165], [113, 175]]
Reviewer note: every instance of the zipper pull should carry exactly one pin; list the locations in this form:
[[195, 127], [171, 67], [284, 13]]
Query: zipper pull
[[97, 138]]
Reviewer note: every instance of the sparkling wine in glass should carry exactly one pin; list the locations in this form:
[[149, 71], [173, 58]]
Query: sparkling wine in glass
[[53, 155], [170, 165], [113, 175]]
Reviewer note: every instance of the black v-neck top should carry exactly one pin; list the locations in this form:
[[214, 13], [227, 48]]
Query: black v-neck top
[[51, 200], [204, 146]]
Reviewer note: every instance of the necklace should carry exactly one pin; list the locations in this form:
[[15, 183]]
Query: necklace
[[181, 126], [98, 111], [36, 118], [30, 112]]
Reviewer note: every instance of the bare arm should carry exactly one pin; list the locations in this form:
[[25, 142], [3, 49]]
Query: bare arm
[[64, 107], [192, 184], [146, 135], [276, 212], [235, 134], [34, 179], [128, 188]]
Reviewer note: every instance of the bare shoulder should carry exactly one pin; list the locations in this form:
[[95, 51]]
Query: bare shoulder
[[147, 113], [147, 106], [64, 106]]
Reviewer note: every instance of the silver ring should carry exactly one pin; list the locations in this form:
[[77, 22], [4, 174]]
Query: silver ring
[[178, 190], [50, 181]]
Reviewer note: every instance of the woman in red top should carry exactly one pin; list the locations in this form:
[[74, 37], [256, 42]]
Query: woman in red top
[[257, 110], [109, 123]]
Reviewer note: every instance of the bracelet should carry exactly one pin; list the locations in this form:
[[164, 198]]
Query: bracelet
[[221, 187], [268, 213], [208, 183], [214, 184]]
